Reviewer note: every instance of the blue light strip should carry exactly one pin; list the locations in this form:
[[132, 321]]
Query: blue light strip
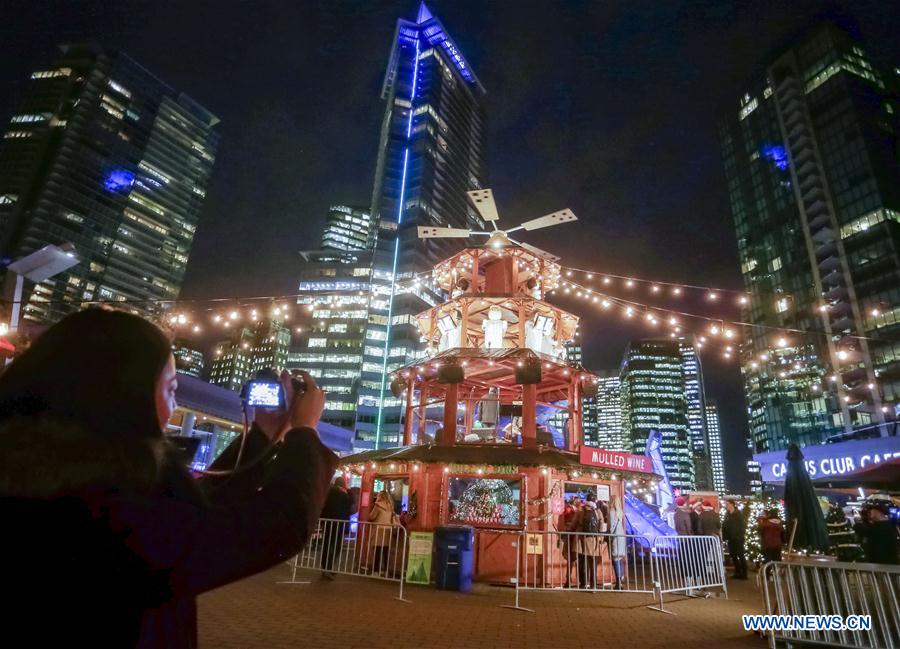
[[387, 336]]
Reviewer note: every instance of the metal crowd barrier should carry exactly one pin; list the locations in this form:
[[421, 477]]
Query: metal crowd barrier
[[582, 561], [577, 561], [810, 587], [360, 549], [689, 565]]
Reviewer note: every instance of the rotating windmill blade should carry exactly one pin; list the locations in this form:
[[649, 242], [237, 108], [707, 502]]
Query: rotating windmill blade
[[540, 253], [429, 232], [483, 201], [562, 216]]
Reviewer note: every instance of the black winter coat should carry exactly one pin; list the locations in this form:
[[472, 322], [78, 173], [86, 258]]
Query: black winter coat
[[108, 546]]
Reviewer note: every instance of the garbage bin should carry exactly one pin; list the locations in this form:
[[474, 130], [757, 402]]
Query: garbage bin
[[455, 546]]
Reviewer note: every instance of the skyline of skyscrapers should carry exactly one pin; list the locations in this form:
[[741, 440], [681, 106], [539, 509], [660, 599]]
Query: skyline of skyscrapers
[[812, 170], [102, 154]]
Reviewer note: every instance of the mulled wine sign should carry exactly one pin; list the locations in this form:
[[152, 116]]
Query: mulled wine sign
[[593, 456]]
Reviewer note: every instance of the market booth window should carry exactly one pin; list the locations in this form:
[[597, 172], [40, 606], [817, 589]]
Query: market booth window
[[484, 502], [398, 488], [600, 491]]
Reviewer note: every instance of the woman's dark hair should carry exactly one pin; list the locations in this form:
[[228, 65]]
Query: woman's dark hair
[[96, 369]]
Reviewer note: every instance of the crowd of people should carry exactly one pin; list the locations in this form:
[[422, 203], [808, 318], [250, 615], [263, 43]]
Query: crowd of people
[[592, 530]]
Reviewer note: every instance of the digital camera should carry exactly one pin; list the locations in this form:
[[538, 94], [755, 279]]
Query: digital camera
[[265, 390]]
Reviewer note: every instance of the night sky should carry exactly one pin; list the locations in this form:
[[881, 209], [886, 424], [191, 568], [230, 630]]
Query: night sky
[[609, 108]]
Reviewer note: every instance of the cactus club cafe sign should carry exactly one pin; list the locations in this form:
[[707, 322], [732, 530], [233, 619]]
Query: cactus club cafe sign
[[593, 456], [829, 460]]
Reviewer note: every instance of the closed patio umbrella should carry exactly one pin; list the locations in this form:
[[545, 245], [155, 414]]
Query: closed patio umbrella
[[801, 505]]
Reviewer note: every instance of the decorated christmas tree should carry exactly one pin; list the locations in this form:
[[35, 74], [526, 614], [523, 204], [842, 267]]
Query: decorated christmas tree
[[759, 507], [487, 501], [843, 540]]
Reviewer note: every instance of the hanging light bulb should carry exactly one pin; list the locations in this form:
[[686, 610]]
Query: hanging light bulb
[[606, 280], [743, 300], [764, 356], [834, 378], [629, 283], [815, 388], [754, 364], [842, 354], [782, 342], [629, 312], [196, 328], [605, 303], [712, 296], [654, 288], [673, 321], [728, 333], [875, 312], [233, 315], [871, 386], [676, 291], [714, 330]]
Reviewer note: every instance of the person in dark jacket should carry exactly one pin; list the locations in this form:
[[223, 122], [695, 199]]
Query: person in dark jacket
[[110, 534], [734, 532], [337, 510], [710, 523], [879, 534], [683, 517]]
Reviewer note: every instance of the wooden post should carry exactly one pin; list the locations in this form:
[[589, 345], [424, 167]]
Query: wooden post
[[578, 422], [521, 323], [474, 285], [448, 435], [529, 415], [407, 424], [423, 398], [464, 323]]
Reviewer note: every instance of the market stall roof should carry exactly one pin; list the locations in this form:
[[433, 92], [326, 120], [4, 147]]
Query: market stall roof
[[496, 454], [884, 475]]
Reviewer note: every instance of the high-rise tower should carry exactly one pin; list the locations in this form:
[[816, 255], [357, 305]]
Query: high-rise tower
[[431, 152], [812, 167], [102, 154]]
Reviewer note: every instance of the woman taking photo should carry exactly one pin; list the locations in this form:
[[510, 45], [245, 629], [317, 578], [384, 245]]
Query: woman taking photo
[[108, 539]]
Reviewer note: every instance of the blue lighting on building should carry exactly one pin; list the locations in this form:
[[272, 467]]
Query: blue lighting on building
[[387, 336], [118, 179], [777, 155]]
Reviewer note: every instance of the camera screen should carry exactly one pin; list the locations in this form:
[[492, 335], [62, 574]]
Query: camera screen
[[264, 394]]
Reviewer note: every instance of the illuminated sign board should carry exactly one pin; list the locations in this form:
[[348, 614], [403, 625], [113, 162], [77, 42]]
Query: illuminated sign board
[[593, 456], [825, 460]]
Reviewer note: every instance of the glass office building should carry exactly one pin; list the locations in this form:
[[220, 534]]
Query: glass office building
[[348, 228], [102, 154], [717, 461], [695, 393], [653, 398], [609, 412], [812, 167]]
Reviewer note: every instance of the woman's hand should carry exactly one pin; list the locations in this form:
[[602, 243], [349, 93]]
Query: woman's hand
[[304, 410]]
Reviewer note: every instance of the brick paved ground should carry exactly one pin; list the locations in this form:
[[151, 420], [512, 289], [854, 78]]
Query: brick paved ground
[[353, 613]]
